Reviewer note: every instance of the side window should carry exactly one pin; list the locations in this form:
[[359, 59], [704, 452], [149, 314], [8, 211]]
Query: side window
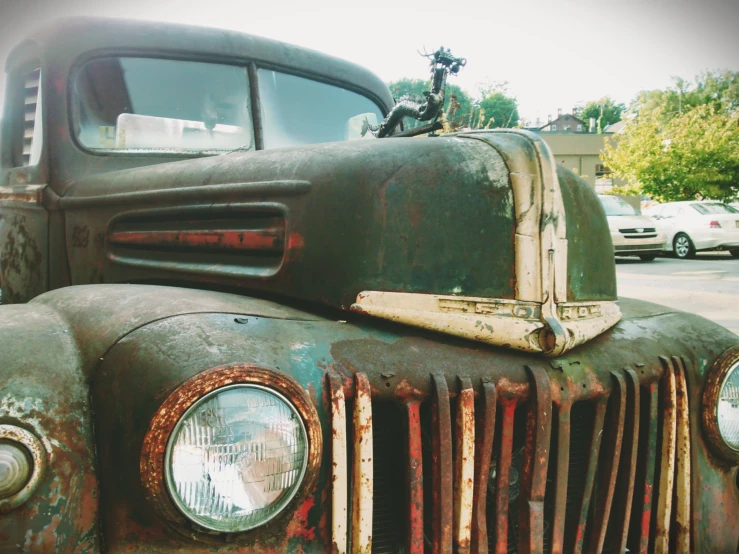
[[139, 105], [554, 127], [28, 127]]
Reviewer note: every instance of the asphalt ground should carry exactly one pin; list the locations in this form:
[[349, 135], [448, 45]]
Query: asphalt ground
[[707, 285]]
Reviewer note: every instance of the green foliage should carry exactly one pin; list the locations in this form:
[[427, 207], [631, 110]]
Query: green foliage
[[497, 109], [605, 112], [679, 156]]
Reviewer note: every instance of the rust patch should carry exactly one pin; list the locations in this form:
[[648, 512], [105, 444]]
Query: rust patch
[[80, 236], [20, 262]]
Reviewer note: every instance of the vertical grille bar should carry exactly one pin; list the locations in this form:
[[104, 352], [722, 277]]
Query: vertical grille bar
[[536, 463], [441, 453], [508, 408], [339, 481], [611, 459], [629, 456], [415, 478], [682, 464], [600, 412], [362, 468], [484, 434], [667, 461], [464, 466], [562, 467], [647, 492]]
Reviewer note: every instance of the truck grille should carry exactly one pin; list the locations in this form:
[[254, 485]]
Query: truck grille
[[485, 469]]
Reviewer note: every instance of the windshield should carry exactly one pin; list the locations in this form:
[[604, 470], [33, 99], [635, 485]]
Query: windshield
[[299, 111], [714, 208], [614, 205], [145, 104]]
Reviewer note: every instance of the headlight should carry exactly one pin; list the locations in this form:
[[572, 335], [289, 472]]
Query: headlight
[[236, 457], [229, 449], [721, 406]]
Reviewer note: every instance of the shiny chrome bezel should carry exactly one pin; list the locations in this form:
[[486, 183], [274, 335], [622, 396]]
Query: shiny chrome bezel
[[171, 488]]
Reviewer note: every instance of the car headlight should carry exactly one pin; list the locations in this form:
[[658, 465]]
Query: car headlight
[[236, 458], [721, 406], [230, 449]]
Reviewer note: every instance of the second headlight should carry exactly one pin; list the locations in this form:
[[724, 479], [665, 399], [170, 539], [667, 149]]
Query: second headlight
[[236, 458]]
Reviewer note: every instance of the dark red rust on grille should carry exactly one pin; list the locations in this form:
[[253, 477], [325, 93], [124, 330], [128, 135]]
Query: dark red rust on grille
[[611, 458], [647, 488], [415, 478], [621, 511], [600, 412], [502, 478], [441, 460], [181, 399], [271, 239], [484, 435], [562, 466], [536, 463]]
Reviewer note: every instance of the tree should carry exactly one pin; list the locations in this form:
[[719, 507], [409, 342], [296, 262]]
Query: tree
[[416, 87], [679, 156], [605, 112], [498, 110]]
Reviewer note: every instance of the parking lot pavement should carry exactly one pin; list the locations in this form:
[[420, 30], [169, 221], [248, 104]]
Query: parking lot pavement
[[707, 285]]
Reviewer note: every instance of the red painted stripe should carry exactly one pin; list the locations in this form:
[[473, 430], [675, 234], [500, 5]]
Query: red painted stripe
[[271, 239]]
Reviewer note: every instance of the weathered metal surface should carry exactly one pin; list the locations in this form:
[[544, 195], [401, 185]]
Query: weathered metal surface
[[595, 440], [484, 436], [414, 478], [502, 474], [442, 511], [24, 252], [464, 466], [683, 508], [610, 461], [647, 493], [339, 467], [144, 362], [562, 461], [667, 460], [362, 468], [621, 511], [267, 240], [43, 392], [536, 463]]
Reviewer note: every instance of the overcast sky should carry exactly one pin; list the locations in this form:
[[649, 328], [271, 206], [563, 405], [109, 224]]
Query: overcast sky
[[553, 53]]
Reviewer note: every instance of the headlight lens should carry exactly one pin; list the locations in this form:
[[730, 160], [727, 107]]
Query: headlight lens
[[727, 409], [236, 458]]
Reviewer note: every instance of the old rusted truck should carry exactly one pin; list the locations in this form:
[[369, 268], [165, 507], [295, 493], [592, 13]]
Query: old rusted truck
[[228, 328]]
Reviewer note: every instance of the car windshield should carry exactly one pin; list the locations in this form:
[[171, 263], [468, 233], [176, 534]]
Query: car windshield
[[713, 208], [614, 205], [145, 105]]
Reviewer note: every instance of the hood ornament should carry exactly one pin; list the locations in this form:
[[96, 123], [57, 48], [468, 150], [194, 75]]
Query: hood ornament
[[426, 108]]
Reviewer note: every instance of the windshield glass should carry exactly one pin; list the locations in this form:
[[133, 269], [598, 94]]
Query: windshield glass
[[714, 209], [136, 105], [299, 111], [616, 206]]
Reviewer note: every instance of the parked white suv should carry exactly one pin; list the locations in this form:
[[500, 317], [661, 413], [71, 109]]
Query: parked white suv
[[692, 226], [632, 234]]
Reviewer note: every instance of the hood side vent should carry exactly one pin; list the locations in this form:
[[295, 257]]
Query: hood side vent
[[218, 243]]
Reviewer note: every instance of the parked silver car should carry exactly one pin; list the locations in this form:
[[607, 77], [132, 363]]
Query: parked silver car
[[632, 234], [694, 226]]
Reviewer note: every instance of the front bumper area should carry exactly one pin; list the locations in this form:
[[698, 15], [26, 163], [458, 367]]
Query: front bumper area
[[632, 245]]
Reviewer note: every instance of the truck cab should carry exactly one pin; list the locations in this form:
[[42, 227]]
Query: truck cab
[[234, 321]]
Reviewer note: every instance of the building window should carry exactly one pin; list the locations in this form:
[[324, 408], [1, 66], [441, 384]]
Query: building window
[[579, 128], [601, 170], [567, 128], [554, 127]]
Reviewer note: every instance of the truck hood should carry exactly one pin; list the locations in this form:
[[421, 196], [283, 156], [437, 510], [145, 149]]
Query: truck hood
[[478, 234]]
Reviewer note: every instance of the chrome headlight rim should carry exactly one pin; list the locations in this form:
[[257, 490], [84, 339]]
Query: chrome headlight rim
[[715, 379], [169, 479], [152, 464]]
